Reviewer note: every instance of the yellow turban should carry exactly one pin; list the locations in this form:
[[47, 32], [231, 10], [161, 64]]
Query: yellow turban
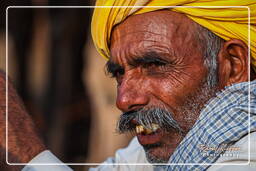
[[227, 23]]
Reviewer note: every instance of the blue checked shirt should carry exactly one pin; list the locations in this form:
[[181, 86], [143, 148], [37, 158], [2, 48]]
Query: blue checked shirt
[[223, 121]]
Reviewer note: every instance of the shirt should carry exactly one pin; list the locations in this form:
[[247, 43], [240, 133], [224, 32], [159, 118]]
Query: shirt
[[134, 153]]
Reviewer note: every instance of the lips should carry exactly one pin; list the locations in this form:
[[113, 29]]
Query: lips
[[151, 134]]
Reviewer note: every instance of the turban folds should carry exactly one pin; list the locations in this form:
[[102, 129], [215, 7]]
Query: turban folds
[[228, 23]]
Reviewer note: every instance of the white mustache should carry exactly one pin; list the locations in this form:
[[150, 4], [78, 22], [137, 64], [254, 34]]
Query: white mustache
[[146, 117]]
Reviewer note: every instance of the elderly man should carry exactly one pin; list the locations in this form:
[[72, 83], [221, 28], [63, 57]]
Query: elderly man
[[183, 84], [177, 73]]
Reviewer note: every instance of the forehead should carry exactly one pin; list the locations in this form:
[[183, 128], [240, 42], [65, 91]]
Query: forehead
[[156, 21], [163, 30]]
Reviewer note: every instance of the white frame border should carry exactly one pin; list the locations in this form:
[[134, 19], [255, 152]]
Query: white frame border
[[139, 164]]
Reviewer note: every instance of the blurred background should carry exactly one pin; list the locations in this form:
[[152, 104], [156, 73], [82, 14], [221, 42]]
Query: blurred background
[[61, 79]]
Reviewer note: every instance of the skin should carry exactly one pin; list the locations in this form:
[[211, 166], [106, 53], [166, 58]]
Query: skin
[[171, 37], [23, 141]]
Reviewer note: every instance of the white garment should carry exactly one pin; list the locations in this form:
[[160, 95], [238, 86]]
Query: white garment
[[135, 154], [46, 157]]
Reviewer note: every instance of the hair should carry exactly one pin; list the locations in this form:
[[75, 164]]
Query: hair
[[211, 45]]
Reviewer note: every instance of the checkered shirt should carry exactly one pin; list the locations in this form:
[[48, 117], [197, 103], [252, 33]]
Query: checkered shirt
[[222, 122]]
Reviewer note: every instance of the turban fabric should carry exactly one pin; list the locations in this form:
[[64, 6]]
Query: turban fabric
[[228, 23]]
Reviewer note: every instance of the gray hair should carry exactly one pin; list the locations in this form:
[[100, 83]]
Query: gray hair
[[211, 44]]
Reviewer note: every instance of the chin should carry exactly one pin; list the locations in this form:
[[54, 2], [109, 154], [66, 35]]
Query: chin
[[157, 154]]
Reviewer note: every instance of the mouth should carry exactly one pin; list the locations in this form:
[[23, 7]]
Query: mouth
[[151, 126], [149, 134]]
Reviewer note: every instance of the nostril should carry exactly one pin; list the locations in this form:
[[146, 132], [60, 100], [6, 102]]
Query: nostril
[[135, 106]]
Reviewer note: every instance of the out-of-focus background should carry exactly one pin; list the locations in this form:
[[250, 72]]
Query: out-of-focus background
[[61, 78]]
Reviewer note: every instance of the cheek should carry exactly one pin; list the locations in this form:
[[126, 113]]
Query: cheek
[[172, 90], [168, 93]]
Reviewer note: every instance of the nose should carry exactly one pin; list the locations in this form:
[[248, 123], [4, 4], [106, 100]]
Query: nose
[[131, 96]]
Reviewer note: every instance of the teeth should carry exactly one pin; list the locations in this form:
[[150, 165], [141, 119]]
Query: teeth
[[148, 130], [154, 127], [139, 129]]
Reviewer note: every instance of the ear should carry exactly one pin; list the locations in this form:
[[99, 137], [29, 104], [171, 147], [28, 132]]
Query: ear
[[233, 63]]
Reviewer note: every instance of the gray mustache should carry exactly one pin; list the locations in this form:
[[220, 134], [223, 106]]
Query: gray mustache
[[146, 117]]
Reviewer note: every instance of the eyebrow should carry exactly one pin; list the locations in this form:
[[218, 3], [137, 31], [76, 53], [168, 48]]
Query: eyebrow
[[147, 58]]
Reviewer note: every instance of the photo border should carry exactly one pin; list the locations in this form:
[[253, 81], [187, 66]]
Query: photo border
[[138, 164]]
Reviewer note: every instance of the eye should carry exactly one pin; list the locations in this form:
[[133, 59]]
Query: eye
[[155, 64], [117, 73], [114, 69]]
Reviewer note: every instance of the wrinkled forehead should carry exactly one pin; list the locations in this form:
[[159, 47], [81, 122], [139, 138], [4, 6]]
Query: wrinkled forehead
[[158, 22], [162, 27]]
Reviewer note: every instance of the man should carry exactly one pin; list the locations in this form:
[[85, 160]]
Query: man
[[182, 89]]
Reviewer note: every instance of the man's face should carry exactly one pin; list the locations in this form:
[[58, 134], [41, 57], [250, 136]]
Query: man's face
[[159, 66]]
